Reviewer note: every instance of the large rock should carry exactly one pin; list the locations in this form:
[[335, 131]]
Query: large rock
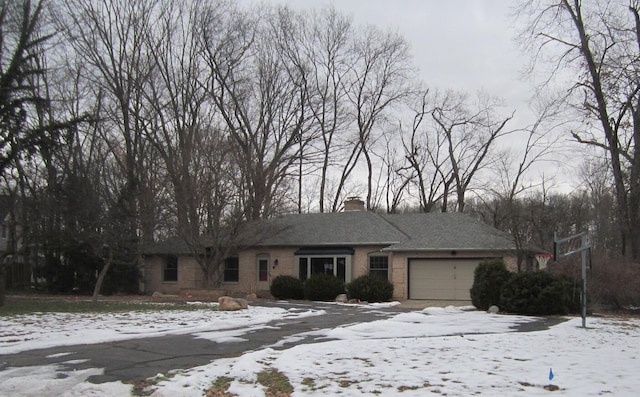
[[493, 309], [342, 298], [227, 303]]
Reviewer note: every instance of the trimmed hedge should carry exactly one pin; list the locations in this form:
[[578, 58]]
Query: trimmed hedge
[[370, 288], [488, 280], [287, 287], [323, 287], [540, 293]]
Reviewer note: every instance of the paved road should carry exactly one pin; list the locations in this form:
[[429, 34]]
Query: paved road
[[142, 358]]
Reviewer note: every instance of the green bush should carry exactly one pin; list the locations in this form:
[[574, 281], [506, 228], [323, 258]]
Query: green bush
[[287, 287], [122, 279], [488, 280], [540, 293], [323, 287], [370, 288]]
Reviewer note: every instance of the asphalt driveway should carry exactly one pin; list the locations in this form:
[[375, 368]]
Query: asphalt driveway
[[137, 359]]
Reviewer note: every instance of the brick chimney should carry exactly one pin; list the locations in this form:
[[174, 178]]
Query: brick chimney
[[353, 204]]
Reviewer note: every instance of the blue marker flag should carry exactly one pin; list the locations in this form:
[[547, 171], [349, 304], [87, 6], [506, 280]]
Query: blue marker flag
[[550, 374]]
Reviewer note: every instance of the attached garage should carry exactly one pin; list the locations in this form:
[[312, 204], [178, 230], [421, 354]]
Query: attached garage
[[441, 279]]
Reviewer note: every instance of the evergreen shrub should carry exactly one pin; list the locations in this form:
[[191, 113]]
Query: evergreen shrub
[[488, 280], [540, 293], [370, 288], [287, 287], [122, 279], [323, 287]]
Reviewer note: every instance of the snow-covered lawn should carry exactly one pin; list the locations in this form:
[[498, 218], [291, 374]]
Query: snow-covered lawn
[[38, 331], [450, 351]]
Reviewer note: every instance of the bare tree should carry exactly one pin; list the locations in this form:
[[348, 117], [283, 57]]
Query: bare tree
[[599, 43], [183, 130], [426, 157], [392, 184], [325, 49], [378, 80], [512, 179], [604, 232], [111, 40], [470, 134], [541, 140], [86, 221], [111, 37], [176, 100], [260, 101]]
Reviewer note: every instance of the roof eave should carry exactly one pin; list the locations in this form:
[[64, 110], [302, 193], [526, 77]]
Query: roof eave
[[426, 249], [327, 244]]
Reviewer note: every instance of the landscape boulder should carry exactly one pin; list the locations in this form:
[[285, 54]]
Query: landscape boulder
[[342, 298], [227, 303], [493, 309]]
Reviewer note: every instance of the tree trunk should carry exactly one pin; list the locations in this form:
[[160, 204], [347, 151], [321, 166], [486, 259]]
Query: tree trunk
[[3, 282], [101, 276], [611, 135]]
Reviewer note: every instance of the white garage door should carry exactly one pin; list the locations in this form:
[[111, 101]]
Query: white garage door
[[442, 279]]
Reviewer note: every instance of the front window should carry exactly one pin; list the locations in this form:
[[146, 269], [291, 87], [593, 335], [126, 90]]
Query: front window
[[337, 265], [308, 266], [379, 266], [322, 265], [170, 271], [231, 270]]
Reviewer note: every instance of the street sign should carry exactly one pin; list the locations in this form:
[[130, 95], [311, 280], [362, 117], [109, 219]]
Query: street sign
[[578, 243]]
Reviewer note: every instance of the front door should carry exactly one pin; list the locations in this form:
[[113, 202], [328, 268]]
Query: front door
[[263, 273]]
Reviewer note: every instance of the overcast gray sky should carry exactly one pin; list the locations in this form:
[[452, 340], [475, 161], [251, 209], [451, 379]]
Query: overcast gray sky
[[457, 44]]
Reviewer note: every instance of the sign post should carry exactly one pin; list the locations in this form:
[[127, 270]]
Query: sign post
[[583, 248]]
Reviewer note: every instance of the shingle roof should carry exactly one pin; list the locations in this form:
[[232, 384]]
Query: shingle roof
[[336, 228], [400, 232], [171, 246], [397, 232], [447, 231]]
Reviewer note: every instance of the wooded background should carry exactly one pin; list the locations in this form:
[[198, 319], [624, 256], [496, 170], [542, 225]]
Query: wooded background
[[129, 122]]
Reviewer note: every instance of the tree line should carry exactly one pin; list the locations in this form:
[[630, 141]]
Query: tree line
[[126, 123]]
